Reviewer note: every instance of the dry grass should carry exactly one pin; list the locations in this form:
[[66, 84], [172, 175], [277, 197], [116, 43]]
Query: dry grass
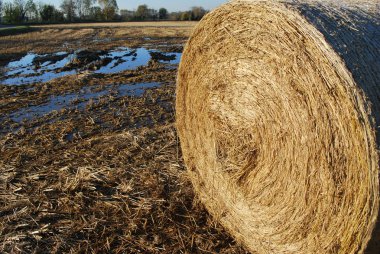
[[275, 125], [49, 38], [161, 24]]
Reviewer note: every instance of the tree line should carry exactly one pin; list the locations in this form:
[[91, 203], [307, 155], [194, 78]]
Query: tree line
[[29, 11], [144, 13]]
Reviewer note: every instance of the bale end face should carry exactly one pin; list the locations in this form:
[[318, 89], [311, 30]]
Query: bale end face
[[276, 132]]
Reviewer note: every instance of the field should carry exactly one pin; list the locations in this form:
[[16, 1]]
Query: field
[[89, 156]]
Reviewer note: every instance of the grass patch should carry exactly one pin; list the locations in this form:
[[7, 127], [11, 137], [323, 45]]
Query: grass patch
[[15, 30]]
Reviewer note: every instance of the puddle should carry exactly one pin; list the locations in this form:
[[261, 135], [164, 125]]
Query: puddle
[[97, 39], [135, 90], [35, 68], [44, 77], [125, 59], [80, 99], [23, 62]]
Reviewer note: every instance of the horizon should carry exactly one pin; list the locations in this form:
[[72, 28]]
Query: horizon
[[170, 5]]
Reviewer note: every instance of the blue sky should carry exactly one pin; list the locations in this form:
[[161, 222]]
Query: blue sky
[[171, 5]]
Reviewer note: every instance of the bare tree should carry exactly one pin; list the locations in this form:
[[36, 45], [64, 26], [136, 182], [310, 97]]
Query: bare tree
[[78, 7], [24, 9], [1, 9], [31, 11], [87, 5], [108, 3], [109, 8], [197, 13], [68, 8]]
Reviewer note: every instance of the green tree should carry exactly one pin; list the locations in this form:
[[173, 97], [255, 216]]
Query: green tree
[[49, 13], [19, 11], [162, 13], [142, 12], [11, 13]]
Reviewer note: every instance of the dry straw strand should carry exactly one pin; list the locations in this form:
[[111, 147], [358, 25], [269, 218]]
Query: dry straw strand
[[277, 108]]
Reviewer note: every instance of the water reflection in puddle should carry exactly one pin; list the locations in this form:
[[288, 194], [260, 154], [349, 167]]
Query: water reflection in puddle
[[80, 99], [124, 59], [44, 77], [23, 62], [135, 90], [35, 68]]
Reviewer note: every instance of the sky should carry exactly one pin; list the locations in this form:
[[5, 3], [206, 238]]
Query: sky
[[171, 5]]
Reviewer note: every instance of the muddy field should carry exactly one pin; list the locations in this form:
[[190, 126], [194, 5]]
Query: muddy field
[[89, 156]]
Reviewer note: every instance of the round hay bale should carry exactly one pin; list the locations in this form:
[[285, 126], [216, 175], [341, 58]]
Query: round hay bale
[[277, 104]]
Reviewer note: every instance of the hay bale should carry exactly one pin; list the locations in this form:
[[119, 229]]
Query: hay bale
[[276, 124]]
